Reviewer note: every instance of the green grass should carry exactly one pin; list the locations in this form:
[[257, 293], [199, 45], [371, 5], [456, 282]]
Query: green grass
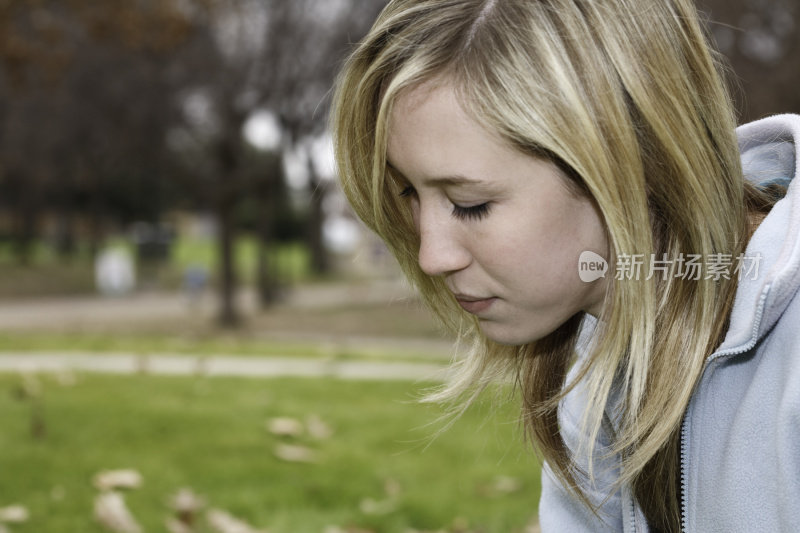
[[213, 344], [209, 434]]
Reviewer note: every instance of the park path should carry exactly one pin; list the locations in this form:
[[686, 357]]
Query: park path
[[44, 314], [222, 365]]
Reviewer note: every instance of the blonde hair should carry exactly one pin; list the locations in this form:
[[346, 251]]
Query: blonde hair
[[626, 97]]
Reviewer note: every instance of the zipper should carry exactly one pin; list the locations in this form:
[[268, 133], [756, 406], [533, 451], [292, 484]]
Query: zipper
[[685, 424], [632, 501], [684, 481]]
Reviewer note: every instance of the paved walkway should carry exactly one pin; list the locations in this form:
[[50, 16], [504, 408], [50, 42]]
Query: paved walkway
[[152, 306], [88, 312], [255, 367]]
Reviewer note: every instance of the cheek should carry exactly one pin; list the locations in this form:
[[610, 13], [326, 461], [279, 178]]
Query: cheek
[[536, 254]]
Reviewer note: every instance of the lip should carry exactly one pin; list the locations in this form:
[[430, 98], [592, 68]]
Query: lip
[[474, 305]]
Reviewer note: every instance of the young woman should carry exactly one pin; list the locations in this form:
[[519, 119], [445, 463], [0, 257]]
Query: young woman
[[563, 182]]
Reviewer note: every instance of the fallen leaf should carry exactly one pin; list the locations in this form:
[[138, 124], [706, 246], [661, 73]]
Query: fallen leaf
[[337, 529], [285, 427], [117, 479], [112, 513], [392, 488], [174, 525], [293, 453], [373, 507], [186, 501], [506, 485], [224, 522], [500, 486], [14, 514], [317, 428]]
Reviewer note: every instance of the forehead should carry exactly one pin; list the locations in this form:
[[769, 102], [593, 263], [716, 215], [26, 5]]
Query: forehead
[[412, 105], [429, 125]]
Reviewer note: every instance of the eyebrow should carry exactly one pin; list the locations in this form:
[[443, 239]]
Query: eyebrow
[[444, 181]]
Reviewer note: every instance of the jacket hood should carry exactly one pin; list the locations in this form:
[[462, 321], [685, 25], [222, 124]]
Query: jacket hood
[[769, 151]]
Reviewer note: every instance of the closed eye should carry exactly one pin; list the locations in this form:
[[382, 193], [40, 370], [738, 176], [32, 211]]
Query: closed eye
[[475, 212], [408, 191]]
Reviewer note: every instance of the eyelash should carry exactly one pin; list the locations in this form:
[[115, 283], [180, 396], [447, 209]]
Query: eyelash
[[475, 212]]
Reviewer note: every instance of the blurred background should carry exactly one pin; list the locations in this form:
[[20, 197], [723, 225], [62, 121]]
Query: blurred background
[[196, 334]]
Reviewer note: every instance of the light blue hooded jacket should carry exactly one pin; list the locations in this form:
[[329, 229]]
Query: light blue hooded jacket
[[740, 456]]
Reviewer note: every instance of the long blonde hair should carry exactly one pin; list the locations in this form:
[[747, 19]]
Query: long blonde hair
[[627, 98]]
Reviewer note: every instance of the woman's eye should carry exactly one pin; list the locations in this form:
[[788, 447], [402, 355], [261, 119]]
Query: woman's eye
[[408, 191], [475, 212]]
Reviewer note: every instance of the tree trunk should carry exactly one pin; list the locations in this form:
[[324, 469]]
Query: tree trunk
[[320, 263], [65, 235], [266, 275], [226, 197], [228, 315], [23, 237]]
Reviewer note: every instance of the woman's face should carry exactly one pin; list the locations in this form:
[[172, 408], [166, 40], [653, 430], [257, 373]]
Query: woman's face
[[500, 226]]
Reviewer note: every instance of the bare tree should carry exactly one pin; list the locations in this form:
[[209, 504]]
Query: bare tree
[[277, 56], [84, 113]]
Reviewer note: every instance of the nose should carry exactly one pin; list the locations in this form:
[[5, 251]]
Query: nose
[[442, 249]]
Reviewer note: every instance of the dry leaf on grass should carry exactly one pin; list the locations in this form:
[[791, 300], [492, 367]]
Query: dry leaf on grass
[[374, 507], [392, 488], [224, 522], [285, 427], [293, 453], [14, 514], [186, 504], [501, 486], [186, 501], [112, 513], [317, 428], [118, 479], [371, 506], [337, 529], [173, 525]]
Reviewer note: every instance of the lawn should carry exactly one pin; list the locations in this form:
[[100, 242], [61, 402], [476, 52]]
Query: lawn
[[236, 344], [380, 470]]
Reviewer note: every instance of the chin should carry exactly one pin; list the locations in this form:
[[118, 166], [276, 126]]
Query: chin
[[509, 336], [515, 334]]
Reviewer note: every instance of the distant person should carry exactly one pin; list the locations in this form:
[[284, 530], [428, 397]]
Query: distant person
[[114, 272], [195, 280], [563, 182]]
